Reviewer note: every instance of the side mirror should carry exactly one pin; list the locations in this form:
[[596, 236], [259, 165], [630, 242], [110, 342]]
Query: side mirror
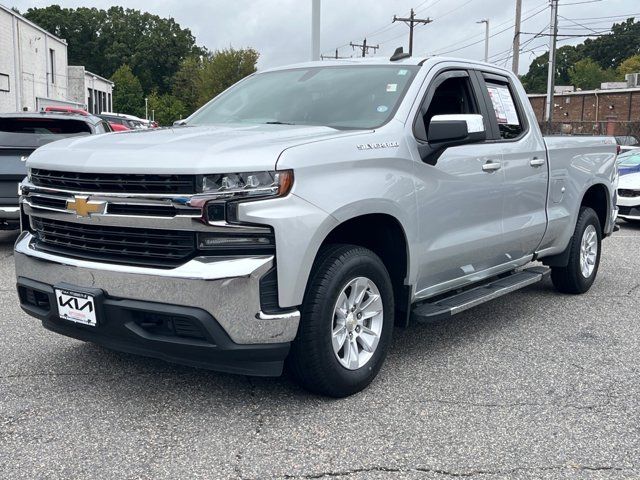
[[456, 128], [450, 131], [179, 123]]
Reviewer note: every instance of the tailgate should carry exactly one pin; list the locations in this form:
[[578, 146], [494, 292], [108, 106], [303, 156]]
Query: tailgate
[[12, 170]]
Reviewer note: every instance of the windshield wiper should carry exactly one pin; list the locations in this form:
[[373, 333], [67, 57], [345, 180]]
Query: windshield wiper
[[275, 122]]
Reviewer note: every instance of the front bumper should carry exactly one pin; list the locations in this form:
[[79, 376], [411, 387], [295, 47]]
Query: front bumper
[[9, 216], [224, 290], [629, 207]]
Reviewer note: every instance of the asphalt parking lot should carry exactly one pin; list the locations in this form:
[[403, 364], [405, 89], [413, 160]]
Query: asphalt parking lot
[[533, 385]]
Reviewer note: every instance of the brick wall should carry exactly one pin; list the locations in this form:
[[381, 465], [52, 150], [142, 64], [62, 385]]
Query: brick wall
[[616, 108]]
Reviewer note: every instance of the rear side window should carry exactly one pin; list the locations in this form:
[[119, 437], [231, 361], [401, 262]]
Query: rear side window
[[505, 109], [43, 126]]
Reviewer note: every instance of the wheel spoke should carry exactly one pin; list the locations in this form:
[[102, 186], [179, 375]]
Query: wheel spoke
[[369, 314], [368, 339], [370, 301], [360, 288], [338, 338], [353, 361]]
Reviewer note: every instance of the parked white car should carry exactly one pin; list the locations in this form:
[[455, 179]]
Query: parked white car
[[629, 197]]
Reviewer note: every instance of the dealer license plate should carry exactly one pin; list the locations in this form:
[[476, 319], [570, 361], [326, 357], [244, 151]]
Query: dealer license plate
[[76, 307]]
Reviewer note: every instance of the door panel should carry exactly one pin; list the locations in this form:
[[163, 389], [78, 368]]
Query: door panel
[[460, 208], [526, 179], [524, 165]]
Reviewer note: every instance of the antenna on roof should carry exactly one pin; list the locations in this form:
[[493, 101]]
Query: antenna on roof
[[399, 54]]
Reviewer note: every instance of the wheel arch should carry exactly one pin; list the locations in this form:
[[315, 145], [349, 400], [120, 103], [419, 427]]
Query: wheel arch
[[385, 235]]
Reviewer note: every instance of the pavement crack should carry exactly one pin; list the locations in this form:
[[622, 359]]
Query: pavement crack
[[515, 404], [471, 472], [633, 289]]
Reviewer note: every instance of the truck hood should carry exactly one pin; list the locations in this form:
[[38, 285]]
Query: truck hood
[[181, 150]]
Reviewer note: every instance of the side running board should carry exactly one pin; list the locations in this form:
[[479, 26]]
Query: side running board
[[459, 302]]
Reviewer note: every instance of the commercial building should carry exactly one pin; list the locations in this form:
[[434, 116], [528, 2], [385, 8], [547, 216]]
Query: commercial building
[[92, 91], [33, 65], [34, 71], [607, 111]]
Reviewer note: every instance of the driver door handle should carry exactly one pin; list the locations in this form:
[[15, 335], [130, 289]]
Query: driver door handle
[[491, 166], [536, 162]]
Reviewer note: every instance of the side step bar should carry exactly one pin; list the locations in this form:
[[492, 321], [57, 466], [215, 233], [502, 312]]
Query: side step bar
[[459, 302]]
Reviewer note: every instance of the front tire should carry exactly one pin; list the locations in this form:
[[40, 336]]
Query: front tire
[[584, 256], [346, 324]]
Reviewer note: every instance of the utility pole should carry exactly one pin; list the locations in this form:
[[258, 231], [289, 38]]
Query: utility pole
[[315, 30], [411, 21], [551, 74], [486, 38], [364, 47], [516, 39]]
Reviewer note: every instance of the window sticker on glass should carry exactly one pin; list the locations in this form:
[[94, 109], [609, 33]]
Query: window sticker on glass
[[382, 108], [392, 87], [403, 72], [503, 105]]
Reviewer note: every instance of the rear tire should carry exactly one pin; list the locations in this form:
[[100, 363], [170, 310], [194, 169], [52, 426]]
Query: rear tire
[[346, 324], [584, 256]]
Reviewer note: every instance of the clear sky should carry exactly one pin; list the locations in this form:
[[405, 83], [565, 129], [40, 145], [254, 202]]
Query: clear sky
[[280, 29]]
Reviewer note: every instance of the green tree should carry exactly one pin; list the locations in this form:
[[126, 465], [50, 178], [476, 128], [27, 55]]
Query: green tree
[[187, 83], [535, 81], [224, 68], [610, 50], [166, 108], [127, 93], [630, 65], [588, 75], [104, 40]]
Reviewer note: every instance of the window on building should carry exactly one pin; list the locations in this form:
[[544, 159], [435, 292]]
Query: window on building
[[109, 104], [90, 101], [4, 82], [52, 59]]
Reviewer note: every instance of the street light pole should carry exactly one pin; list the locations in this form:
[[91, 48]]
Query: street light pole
[[486, 38], [315, 30], [146, 108]]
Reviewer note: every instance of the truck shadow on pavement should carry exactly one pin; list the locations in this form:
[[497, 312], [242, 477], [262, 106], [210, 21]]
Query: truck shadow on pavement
[[419, 346]]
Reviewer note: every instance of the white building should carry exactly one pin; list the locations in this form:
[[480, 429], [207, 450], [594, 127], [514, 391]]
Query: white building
[[92, 91], [33, 65]]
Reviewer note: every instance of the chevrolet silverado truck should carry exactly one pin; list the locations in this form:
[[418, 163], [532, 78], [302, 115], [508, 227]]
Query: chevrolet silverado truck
[[300, 215]]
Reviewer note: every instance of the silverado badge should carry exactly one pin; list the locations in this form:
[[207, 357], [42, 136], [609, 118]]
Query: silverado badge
[[85, 207]]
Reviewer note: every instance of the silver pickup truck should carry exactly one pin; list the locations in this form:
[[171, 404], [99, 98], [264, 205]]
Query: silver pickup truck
[[301, 214]]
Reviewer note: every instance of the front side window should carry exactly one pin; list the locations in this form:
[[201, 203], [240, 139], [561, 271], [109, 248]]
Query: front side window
[[453, 96], [349, 97], [504, 107]]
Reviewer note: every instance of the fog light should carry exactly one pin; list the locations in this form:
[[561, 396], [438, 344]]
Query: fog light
[[239, 241]]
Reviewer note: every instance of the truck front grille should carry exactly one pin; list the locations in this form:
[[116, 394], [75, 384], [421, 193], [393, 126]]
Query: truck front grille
[[133, 246], [114, 182]]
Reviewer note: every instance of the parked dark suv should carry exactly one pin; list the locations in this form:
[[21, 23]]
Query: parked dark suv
[[20, 134]]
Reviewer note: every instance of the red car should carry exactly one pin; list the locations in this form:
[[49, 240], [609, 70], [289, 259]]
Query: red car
[[116, 127], [62, 109]]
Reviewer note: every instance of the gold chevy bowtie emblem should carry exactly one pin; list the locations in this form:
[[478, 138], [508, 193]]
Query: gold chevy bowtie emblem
[[84, 207]]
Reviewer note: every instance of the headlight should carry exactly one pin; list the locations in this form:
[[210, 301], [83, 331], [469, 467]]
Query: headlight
[[249, 184]]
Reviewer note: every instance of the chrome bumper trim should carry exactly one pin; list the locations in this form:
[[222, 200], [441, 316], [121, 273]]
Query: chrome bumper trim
[[227, 288], [12, 213]]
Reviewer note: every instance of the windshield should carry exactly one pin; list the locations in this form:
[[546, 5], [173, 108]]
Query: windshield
[[339, 97], [629, 159]]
